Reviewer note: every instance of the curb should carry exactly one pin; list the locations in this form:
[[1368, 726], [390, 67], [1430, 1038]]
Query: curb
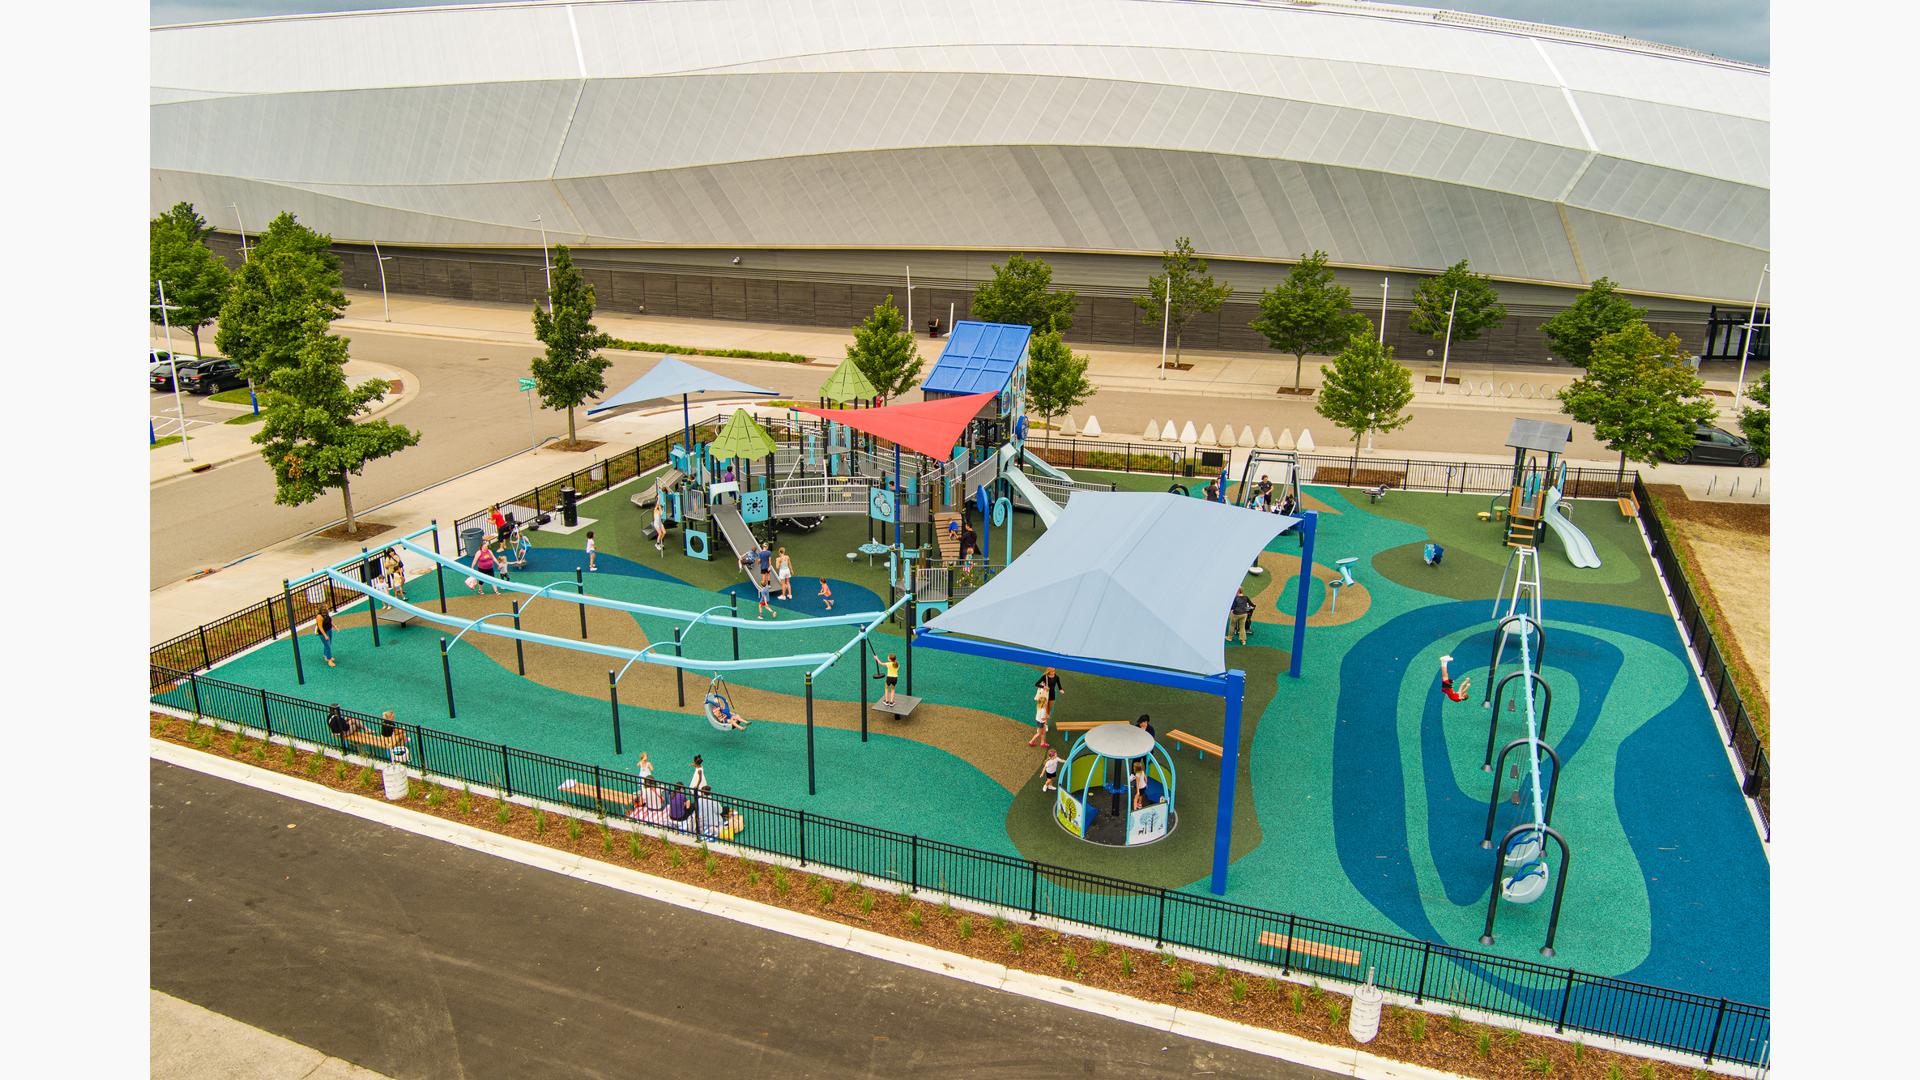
[[1168, 1018]]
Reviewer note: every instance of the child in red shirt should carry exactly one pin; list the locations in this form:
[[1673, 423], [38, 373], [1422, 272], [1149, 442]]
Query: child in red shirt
[[1446, 683]]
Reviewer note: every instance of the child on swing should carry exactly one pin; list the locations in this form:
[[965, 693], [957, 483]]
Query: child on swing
[[1446, 683]]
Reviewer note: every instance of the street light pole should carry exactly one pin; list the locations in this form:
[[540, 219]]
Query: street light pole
[[173, 367], [1383, 311], [235, 207], [1448, 346], [909, 301], [381, 261], [548, 263], [1165, 318], [1753, 313]]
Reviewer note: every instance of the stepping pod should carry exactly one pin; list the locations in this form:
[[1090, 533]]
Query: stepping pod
[[1265, 442], [1066, 427], [1305, 445], [1153, 432], [1286, 439], [1246, 436], [1226, 435], [1186, 433], [1093, 426], [1206, 436]]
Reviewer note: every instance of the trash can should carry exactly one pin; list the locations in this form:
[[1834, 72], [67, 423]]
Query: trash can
[[395, 774], [470, 541], [569, 507]]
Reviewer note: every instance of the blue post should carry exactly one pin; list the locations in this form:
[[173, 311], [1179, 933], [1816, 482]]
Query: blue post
[[1310, 520], [896, 493], [1229, 766]]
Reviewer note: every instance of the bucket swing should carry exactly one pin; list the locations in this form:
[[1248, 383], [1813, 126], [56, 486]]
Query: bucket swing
[[1526, 885], [720, 696]]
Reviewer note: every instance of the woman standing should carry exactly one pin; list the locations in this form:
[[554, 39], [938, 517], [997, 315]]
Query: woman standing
[[1040, 709], [783, 571], [326, 636], [1049, 681], [699, 781]]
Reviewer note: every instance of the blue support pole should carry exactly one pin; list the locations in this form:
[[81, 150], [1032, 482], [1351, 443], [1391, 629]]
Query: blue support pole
[[1235, 695], [896, 493], [1310, 521]]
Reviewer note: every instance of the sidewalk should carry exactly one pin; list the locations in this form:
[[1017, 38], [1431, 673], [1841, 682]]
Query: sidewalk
[[218, 443], [1117, 367], [188, 1042]]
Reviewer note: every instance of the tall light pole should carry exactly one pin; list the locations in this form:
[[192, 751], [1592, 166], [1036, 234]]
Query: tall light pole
[[381, 261], [1383, 312], [909, 301], [541, 220], [1747, 341], [173, 366], [235, 207], [1448, 346], [1166, 317]]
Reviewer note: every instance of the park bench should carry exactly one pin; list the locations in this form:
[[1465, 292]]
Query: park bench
[[597, 794], [1629, 506], [1079, 725], [1303, 947], [1187, 738], [377, 742]]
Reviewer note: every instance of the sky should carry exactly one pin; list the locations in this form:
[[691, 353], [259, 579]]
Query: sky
[[1732, 28]]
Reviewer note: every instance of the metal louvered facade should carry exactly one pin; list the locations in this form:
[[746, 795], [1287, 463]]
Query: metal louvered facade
[[1393, 138]]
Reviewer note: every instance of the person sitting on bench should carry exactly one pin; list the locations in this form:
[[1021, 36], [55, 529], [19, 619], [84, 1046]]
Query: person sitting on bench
[[679, 807], [721, 713]]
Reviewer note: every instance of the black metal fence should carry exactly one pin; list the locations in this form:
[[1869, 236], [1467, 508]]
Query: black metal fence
[[1756, 777], [1714, 1029]]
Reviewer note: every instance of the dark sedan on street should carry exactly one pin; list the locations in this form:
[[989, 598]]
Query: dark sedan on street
[[1712, 446], [211, 377]]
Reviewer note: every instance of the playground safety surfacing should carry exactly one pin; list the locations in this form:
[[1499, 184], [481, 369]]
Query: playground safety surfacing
[[1362, 798]]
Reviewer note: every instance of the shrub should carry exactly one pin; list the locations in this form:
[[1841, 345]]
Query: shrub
[[674, 858], [313, 764], [965, 927], [1417, 1026], [780, 880], [711, 864], [1540, 1063], [1220, 973], [1186, 980], [287, 755], [504, 812], [433, 795], [1099, 948], [1238, 988], [824, 890], [1456, 1023], [606, 839], [866, 902], [340, 769], [999, 924], [1335, 1010], [1069, 961], [573, 828], [366, 777], [466, 800], [633, 847], [1297, 1000], [1016, 940], [235, 743], [539, 821], [1510, 1037], [1579, 1050], [1126, 963], [1614, 1073], [1483, 1044], [259, 751], [913, 917], [689, 350], [753, 875]]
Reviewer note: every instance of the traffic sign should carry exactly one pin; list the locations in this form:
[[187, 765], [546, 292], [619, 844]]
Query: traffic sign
[[526, 384]]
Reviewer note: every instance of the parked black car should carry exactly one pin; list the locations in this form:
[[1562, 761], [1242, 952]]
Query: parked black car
[[160, 375], [1712, 446], [211, 377]]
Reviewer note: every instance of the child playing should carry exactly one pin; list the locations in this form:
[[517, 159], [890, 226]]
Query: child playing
[[892, 671], [1446, 683], [590, 552], [1051, 773], [1041, 701], [826, 594], [765, 586], [659, 527]]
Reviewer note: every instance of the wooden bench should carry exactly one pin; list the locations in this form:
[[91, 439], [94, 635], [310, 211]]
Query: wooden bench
[[1187, 738], [1303, 947], [1079, 725], [1629, 506], [378, 742], [598, 794]]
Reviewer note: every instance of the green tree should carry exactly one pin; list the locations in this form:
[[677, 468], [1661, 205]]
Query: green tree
[[1366, 390], [309, 436], [1018, 293], [187, 219], [1308, 313], [1193, 290], [196, 279], [884, 351], [291, 278], [1598, 312], [572, 369], [1057, 379], [1478, 310], [1757, 423], [1641, 396]]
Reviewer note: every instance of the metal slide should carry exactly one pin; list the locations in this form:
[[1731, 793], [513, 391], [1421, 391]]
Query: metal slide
[[734, 528], [1579, 549], [1046, 467], [1043, 507]]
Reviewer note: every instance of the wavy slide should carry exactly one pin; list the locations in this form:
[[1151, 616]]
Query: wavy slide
[[1043, 508], [1579, 549]]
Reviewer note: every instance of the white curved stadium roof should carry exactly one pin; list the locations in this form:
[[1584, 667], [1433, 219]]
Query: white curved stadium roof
[[1391, 137]]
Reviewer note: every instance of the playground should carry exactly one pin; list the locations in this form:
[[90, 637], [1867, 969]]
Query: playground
[[1359, 792]]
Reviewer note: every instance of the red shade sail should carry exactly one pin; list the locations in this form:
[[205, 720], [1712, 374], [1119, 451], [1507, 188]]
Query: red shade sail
[[928, 427]]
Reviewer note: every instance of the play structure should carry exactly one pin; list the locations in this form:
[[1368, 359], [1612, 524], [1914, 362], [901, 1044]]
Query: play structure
[[1534, 502], [1093, 595], [1095, 799]]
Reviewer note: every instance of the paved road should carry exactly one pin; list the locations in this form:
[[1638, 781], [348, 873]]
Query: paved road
[[419, 959]]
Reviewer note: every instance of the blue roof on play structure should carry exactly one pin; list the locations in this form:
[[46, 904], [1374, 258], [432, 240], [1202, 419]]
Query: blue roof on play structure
[[979, 358]]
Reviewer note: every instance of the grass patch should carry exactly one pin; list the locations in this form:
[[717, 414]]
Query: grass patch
[[246, 418], [167, 440], [236, 396], [689, 350]]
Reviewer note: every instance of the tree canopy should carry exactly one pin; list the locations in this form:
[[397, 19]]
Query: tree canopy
[[1640, 394], [1598, 312], [1057, 379], [1478, 310], [1019, 293], [1756, 423], [885, 353], [572, 369], [1365, 390], [183, 216], [309, 436], [1308, 313], [195, 279], [291, 278], [1193, 291]]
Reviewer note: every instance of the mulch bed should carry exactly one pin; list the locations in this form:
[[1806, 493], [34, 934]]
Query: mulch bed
[[362, 530], [1443, 1042], [578, 445], [1362, 477], [1305, 391]]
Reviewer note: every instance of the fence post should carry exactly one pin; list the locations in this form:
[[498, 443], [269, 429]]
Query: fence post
[[193, 684], [273, 627], [265, 719], [506, 771], [1566, 999], [1033, 891], [803, 838], [206, 655], [1286, 954], [913, 871], [599, 792], [1160, 922], [1426, 954], [1713, 1041]]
